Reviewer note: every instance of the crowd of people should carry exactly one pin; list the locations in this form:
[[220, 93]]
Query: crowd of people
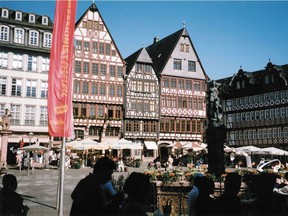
[[96, 195], [268, 196]]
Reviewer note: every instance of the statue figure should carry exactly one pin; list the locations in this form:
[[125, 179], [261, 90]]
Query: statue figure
[[5, 120], [216, 131], [215, 112]]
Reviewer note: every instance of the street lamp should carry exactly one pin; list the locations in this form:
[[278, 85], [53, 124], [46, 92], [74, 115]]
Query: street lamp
[[30, 137]]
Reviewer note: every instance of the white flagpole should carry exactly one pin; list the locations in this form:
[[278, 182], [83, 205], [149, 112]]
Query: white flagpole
[[61, 181]]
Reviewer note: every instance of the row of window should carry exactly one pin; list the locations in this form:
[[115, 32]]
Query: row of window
[[97, 69], [183, 102], [24, 62], [135, 126], [271, 96], [143, 68], [27, 37], [102, 89], [183, 125], [19, 16], [20, 87], [92, 24], [96, 110], [30, 114], [96, 131], [95, 47], [143, 86], [187, 84], [265, 133], [275, 113], [142, 105]]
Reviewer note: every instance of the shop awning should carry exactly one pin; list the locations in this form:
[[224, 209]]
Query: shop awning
[[151, 145]]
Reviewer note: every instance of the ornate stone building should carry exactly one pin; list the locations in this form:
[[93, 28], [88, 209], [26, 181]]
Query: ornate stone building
[[255, 107]]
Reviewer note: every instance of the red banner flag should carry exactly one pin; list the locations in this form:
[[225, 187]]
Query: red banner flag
[[60, 79]]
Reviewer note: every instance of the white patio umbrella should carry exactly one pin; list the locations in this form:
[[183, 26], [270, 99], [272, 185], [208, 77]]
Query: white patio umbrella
[[125, 144], [250, 150], [275, 151], [193, 145], [33, 147]]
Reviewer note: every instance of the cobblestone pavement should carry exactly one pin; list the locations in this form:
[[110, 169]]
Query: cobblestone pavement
[[40, 188]]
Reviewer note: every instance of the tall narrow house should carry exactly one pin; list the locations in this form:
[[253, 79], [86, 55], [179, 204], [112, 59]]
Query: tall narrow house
[[98, 79], [183, 90], [142, 108]]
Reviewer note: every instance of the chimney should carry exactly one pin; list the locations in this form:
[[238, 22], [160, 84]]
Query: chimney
[[156, 39]]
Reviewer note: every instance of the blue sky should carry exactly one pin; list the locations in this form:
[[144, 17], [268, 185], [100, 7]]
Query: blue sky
[[226, 34]]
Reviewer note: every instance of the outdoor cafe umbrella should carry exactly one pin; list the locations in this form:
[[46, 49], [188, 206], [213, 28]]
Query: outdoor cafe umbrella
[[33, 147], [194, 146], [275, 151]]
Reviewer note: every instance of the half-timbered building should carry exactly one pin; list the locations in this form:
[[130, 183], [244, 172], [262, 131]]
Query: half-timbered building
[[98, 79], [255, 107], [142, 107], [183, 89]]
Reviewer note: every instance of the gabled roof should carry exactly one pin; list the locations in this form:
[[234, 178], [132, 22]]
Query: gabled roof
[[140, 55], [161, 50], [94, 8]]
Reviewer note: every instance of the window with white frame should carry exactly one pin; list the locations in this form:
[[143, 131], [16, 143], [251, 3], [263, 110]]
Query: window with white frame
[[282, 112], [274, 133], [33, 37], [31, 18], [272, 113], [32, 63], [240, 135], [5, 13], [3, 60], [30, 113], [254, 134], [259, 133], [44, 20], [15, 111], [269, 133], [3, 84], [45, 65], [19, 35], [18, 15], [264, 133], [285, 131], [44, 89], [17, 61], [47, 39], [262, 114], [267, 114], [277, 113], [16, 89], [280, 134], [4, 33], [43, 116], [31, 88]]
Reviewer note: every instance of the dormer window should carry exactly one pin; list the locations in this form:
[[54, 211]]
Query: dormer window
[[44, 20], [18, 16], [4, 13], [31, 18]]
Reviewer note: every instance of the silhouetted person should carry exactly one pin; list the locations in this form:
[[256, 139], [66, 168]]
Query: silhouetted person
[[204, 202], [11, 203], [136, 187], [229, 203], [265, 202], [192, 195], [88, 198]]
